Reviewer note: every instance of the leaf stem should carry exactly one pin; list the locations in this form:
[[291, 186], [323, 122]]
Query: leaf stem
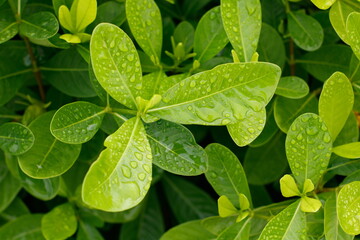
[[15, 117], [292, 57], [19, 9], [119, 116]]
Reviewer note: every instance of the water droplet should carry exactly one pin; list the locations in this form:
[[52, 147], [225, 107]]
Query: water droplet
[[192, 84], [225, 121], [189, 108], [126, 171], [141, 176], [312, 131], [112, 44], [133, 164], [130, 57], [327, 138], [147, 168]]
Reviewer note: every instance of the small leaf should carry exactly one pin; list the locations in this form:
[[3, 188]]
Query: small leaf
[[59, 223], [323, 4], [348, 208], [308, 186], [308, 148], [41, 25], [310, 204], [292, 87], [336, 102], [242, 23], [70, 38], [122, 171], [8, 30], [65, 19], [244, 202], [184, 33], [352, 29], [145, 22], [350, 150], [15, 138], [83, 12], [305, 30], [76, 122], [288, 186], [24, 227], [226, 208]]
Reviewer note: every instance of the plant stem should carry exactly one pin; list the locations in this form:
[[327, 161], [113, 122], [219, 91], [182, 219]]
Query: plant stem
[[292, 57], [36, 69]]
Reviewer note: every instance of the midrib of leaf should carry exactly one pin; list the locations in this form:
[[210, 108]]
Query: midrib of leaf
[[320, 63], [35, 26], [19, 236], [342, 16], [16, 73], [240, 29], [229, 176], [63, 69], [353, 202], [301, 26], [208, 45], [292, 218], [351, 3], [243, 227], [46, 155], [206, 96], [157, 83], [82, 19], [9, 26]]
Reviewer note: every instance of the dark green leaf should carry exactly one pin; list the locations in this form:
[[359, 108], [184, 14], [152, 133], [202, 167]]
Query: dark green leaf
[[190, 231], [26, 227], [238, 231], [15, 138], [16, 209], [41, 25], [8, 30]]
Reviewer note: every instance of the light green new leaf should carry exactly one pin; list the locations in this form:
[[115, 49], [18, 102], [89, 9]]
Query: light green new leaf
[[225, 173], [116, 63], [65, 19], [210, 35], [9, 185], [292, 87], [120, 178], [305, 30], [145, 24], [332, 228], [192, 230], [242, 23], [174, 149], [238, 231], [323, 4], [308, 148], [59, 223], [288, 186], [225, 207], [48, 157], [39, 26], [219, 96], [8, 30], [336, 102], [26, 227], [15, 138], [247, 130], [76, 122], [289, 224], [353, 32], [350, 150], [83, 12], [348, 208], [310, 205]]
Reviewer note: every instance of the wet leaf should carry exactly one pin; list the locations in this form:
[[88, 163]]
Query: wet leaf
[[353, 32], [8, 30], [15, 138], [292, 87], [41, 25]]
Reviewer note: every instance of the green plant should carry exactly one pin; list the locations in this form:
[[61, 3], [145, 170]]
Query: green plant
[[92, 119]]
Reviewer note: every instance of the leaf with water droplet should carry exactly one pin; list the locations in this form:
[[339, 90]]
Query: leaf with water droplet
[[292, 87], [348, 208], [145, 23], [242, 23], [48, 157], [110, 48], [225, 173], [353, 32], [15, 138], [155, 83], [350, 150], [336, 102], [112, 184], [39, 26], [60, 222], [77, 122], [175, 149], [210, 35], [306, 160], [8, 30], [323, 4], [219, 96]]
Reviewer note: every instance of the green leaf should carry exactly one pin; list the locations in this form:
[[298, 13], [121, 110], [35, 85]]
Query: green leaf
[[217, 224], [15, 210], [87, 231], [110, 12], [210, 35], [225, 173], [145, 23], [309, 204], [289, 224], [242, 23], [288, 186], [308, 148], [238, 231], [332, 228], [25, 227], [187, 201], [348, 208], [271, 47], [77, 122], [305, 30], [308, 186], [184, 33], [9, 186], [247, 130], [155, 83], [15, 138], [59, 223], [41, 25], [292, 87], [353, 32], [323, 4], [83, 12], [116, 63], [350, 150], [287, 110], [8, 30], [192, 230], [48, 157], [336, 102], [219, 96], [120, 178], [226, 208], [327, 60], [66, 19], [174, 149], [349, 133]]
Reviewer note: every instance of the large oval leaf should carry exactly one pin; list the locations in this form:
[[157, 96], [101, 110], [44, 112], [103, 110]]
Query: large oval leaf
[[242, 23], [225, 173], [41, 25], [174, 149], [348, 208], [145, 23], [352, 29], [220, 96], [15, 138], [116, 63], [308, 148], [77, 122], [48, 157], [120, 178], [25, 227]]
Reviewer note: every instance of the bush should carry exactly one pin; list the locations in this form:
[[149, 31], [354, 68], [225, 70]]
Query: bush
[[105, 105]]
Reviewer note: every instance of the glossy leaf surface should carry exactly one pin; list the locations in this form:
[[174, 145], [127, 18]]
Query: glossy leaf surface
[[8, 30], [41, 25], [191, 230], [15, 138], [350, 150], [352, 29], [26, 227], [292, 87], [238, 231], [323, 4], [83, 12]]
